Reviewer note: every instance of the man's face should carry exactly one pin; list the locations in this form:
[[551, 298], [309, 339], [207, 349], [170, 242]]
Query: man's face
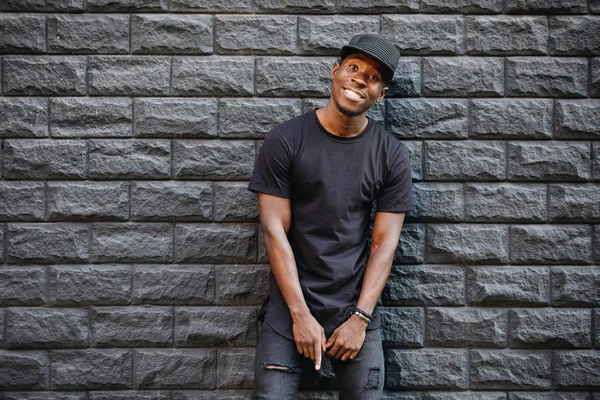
[[357, 84]]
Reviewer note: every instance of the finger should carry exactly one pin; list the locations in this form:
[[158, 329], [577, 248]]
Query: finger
[[323, 344], [311, 350], [318, 357], [353, 355], [331, 340], [299, 348], [346, 355]]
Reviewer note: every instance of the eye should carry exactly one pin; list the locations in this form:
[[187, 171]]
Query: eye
[[353, 67], [374, 78]]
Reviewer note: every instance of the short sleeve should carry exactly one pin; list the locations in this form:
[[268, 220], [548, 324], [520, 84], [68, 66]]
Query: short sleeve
[[396, 194], [272, 167]]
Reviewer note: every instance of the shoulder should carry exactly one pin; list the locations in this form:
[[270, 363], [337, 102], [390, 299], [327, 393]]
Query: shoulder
[[289, 133], [390, 143]]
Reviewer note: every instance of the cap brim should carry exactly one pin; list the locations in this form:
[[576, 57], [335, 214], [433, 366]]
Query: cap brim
[[349, 49]]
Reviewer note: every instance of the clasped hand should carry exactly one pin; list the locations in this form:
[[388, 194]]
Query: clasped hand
[[344, 344]]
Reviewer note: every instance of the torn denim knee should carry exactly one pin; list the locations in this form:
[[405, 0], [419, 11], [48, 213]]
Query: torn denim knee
[[290, 369]]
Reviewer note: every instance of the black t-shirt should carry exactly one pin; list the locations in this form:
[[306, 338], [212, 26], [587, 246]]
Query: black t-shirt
[[331, 182]]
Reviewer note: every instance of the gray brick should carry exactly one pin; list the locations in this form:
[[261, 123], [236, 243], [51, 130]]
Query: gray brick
[[47, 243], [235, 369], [233, 202], [502, 202], [132, 326], [426, 369], [594, 6], [510, 369], [553, 161], [47, 328], [133, 242], [223, 395], [211, 243], [295, 6], [402, 327], [596, 328], [254, 117], [463, 6], [21, 201], [546, 77], [45, 396], [175, 369], [71, 201], [466, 160], [577, 369], [171, 34], [575, 36], [239, 285], [549, 396], [503, 35], [595, 78], [424, 34], [23, 117], [551, 244], [575, 286], [550, 328], [43, 75], [22, 33], [511, 285], [325, 35], [44, 159], [446, 396], [210, 6], [88, 34], [127, 5], [22, 286], [438, 201], [90, 117], [45, 5], [213, 76], [416, 156], [411, 247], [128, 76], [23, 370], [407, 78], [2, 247], [214, 159], [462, 327], [91, 369], [130, 159], [574, 203], [195, 118], [255, 34], [169, 284], [511, 119], [546, 6], [89, 284], [168, 201], [130, 395], [425, 285], [596, 244], [427, 118], [462, 77], [577, 119], [484, 244], [215, 326], [596, 161], [286, 76]]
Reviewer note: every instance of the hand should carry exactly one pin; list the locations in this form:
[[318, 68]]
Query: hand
[[309, 336], [348, 338]]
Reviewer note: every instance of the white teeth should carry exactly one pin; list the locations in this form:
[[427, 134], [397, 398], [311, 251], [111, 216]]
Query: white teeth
[[352, 94]]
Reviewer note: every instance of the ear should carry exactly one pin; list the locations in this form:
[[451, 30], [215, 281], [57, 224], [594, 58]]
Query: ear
[[382, 94], [334, 70]]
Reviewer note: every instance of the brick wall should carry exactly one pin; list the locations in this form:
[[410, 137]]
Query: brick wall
[[132, 263]]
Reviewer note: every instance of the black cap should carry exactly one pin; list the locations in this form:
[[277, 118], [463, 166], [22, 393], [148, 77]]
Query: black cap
[[376, 47]]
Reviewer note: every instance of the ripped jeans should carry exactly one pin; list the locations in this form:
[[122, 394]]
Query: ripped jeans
[[278, 367]]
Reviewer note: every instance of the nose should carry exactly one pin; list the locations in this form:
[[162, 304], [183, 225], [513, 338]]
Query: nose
[[358, 81]]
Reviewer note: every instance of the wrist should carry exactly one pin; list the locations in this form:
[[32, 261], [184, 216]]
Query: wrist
[[298, 313], [358, 320]]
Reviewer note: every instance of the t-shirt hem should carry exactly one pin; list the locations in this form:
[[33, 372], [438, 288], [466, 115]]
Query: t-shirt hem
[[268, 190], [395, 210]]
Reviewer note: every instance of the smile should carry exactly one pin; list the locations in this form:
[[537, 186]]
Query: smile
[[352, 95]]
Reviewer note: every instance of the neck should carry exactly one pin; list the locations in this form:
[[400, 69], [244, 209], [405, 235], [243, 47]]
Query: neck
[[339, 123]]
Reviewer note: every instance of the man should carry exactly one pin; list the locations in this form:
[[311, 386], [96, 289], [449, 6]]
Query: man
[[317, 176]]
